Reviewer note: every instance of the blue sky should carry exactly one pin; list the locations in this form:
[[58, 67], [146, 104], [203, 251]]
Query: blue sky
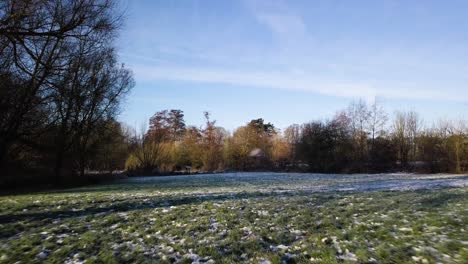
[[294, 61]]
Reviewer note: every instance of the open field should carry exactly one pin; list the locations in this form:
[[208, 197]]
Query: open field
[[245, 217]]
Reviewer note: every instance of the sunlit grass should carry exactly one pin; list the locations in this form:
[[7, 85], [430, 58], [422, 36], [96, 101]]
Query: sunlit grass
[[102, 225]]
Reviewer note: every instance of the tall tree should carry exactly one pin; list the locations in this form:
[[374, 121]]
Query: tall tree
[[38, 39], [250, 146], [292, 135], [358, 115], [377, 120], [167, 125], [191, 149], [262, 128], [400, 134], [458, 143], [213, 138], [326, 146], [414, 124], [90, 98]]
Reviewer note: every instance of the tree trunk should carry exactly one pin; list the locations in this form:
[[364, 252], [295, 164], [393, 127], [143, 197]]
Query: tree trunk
[[457, 157], [3, 152], [58, 166]]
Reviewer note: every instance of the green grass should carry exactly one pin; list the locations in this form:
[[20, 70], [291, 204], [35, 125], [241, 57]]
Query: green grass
[[121, 224]]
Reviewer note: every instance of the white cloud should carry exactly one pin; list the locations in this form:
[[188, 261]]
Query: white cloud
[[292, 81], [283, 24], [278, 17]]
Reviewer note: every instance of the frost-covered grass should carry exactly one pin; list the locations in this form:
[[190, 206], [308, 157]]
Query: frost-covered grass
[[232, 218]]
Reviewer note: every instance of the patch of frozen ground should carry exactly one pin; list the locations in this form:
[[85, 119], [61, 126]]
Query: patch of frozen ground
[[290, 182]]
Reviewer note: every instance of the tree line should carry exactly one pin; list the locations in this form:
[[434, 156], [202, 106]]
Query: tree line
[[359, 139], [61, 86]]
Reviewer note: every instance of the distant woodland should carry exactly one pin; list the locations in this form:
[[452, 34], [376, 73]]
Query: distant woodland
[[62, 87], [359, 139]]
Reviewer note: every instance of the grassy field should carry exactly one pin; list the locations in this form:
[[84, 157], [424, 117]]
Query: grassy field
[[253, 218]]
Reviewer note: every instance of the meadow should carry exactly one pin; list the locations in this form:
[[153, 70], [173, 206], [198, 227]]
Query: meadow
[[242, 217]]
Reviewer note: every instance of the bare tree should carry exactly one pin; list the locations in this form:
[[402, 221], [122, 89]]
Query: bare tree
[[358, 115], [458, 141], [40, 42], [414, 125], [147, 155], [102, 85], [377, 120], [400, 134], [292, 135]]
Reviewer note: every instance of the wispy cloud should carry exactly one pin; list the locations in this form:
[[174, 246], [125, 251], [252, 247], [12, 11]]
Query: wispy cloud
[[283, 24], [277, 16], [293, 81]]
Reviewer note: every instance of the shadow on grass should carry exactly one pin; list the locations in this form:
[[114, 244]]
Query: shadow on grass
[[137, 204], [429, 199], [441, 199]]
